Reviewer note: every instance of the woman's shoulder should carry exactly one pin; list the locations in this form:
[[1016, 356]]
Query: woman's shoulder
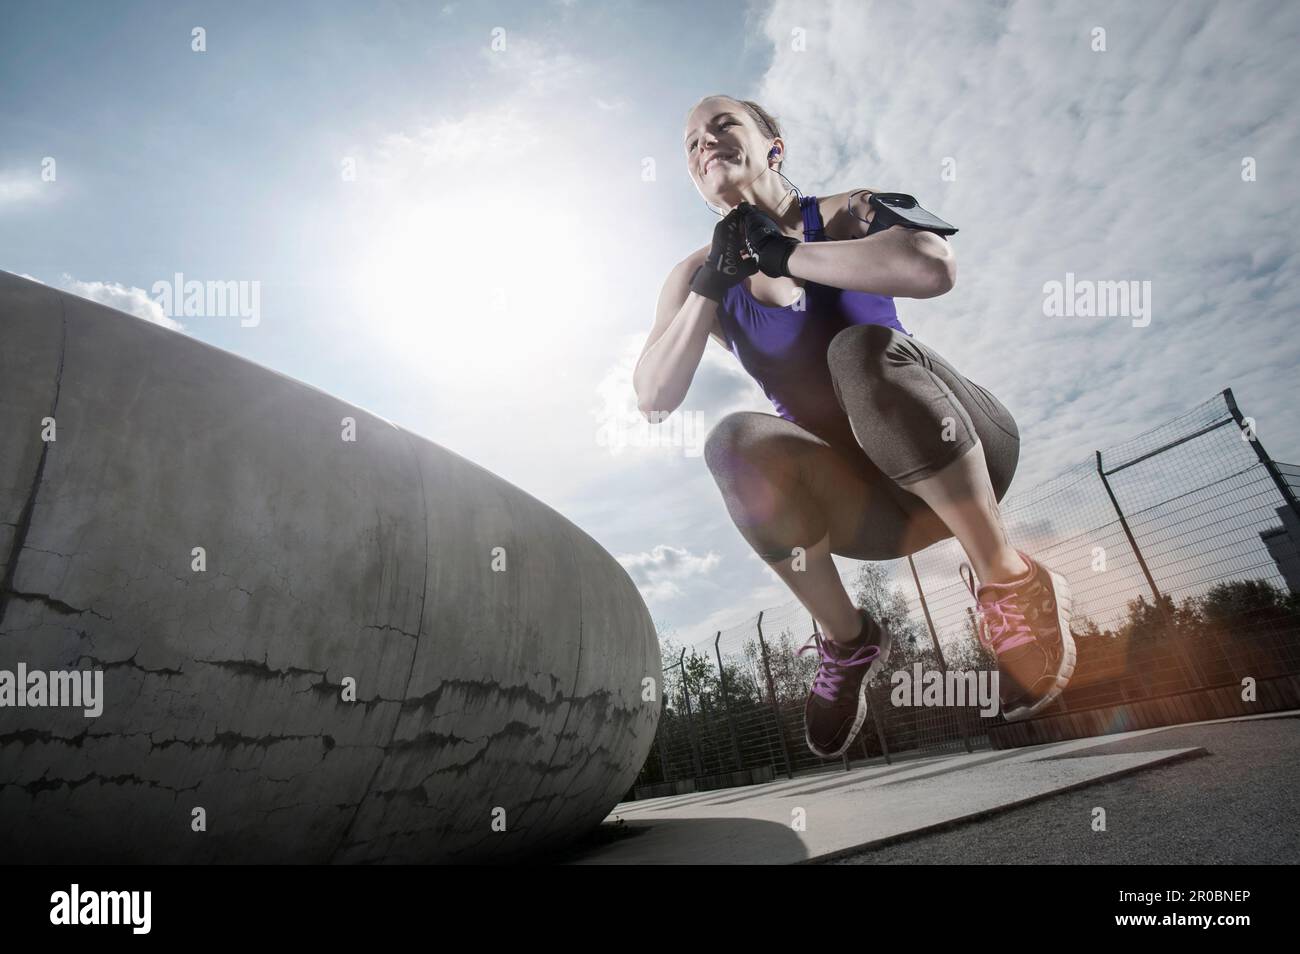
[[843, 213]]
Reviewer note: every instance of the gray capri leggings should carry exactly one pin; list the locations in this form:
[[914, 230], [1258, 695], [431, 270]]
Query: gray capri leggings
[[785, 486]]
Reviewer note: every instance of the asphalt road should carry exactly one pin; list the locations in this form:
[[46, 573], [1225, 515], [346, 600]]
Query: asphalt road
[[1238, 805]]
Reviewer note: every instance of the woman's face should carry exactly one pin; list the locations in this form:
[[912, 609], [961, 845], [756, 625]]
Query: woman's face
[[724, 149]]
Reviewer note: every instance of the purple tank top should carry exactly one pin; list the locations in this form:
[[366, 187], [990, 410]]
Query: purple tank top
[[784, 350]]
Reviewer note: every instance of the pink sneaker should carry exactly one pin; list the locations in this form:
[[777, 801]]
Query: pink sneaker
[[1026, 623]]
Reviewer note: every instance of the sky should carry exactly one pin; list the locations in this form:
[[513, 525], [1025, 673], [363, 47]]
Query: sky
[[459, 216]]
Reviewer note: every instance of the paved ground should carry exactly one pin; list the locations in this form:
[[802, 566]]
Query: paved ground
[[1240, 805], [1219, 792]]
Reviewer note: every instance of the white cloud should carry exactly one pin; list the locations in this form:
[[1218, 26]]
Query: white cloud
[[132, 300], [658, 572]]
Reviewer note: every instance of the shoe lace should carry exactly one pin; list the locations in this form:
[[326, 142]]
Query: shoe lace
[[1002, 624], [834, 670]]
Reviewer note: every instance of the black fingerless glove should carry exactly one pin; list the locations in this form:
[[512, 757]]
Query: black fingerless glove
[[767, 242], [724, 266]]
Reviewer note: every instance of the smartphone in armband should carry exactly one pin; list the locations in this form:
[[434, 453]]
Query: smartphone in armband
[[899, 208]]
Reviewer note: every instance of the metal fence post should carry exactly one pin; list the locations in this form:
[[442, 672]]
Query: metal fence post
[[934, 640], [776, 709], [726, 704], [696, 761], [1283, 487], [1137, 551], [1188, 664]]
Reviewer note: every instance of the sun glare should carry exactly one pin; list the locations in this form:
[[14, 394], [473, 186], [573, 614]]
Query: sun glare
[[450, 284]]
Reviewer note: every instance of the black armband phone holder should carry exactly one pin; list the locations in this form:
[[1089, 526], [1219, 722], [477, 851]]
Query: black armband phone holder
[[899, 208]]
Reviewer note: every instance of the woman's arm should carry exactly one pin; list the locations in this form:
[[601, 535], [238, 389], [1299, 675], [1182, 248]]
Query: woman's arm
[[672, 352], [898, 262]]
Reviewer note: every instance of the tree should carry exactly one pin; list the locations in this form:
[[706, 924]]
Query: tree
[[1146, 621], [1236, 600], [888, 607], [792, 673]]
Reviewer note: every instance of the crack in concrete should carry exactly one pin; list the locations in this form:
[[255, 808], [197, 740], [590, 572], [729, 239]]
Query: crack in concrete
[[233, 740], [129, 663], [577, 670], [55, 604], [344, 842], [440, 740], [66, 556], [260, 670], [234, 584], [227, 739], [487, 688], [24, 525], [395, 629], [27, 737], [44, 785], [323, 686]]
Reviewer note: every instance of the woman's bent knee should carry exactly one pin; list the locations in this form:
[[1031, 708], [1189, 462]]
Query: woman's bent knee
[[737, 435], [857, 344]]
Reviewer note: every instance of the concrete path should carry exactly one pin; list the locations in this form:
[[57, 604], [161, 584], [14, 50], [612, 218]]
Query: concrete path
[[823, 816]]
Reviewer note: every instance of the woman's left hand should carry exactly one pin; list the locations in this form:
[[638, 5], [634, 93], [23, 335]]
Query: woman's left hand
[[767, 242]]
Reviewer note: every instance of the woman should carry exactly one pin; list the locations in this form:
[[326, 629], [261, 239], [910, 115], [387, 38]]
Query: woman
[[879, 447]]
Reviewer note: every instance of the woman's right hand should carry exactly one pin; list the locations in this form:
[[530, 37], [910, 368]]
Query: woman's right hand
[[771, 246], [728, 262]]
